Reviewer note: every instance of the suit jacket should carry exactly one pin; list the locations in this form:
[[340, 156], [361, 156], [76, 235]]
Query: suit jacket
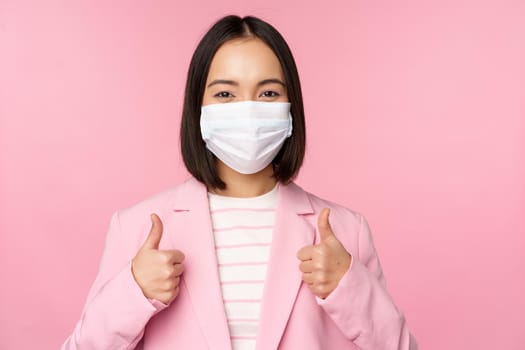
[[358, 314]]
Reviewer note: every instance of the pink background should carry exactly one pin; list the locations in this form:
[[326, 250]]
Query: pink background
[[415, 114]]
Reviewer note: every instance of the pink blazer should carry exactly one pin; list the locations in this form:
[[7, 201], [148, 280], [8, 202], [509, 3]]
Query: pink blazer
[[358, 314]]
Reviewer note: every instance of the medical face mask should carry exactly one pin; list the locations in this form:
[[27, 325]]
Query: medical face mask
[[246, 135]]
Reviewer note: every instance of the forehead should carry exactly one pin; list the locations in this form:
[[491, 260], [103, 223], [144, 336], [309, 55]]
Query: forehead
[[245, 59]]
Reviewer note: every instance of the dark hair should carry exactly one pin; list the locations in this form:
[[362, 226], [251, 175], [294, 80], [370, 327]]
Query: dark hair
[[199, 161]]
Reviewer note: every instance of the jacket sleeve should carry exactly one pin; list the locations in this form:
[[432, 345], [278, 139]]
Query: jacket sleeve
[[361, 306], [116, 311]]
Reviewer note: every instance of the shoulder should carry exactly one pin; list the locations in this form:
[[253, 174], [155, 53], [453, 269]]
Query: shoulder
[[161, 202], [350, 226], [340, 215]]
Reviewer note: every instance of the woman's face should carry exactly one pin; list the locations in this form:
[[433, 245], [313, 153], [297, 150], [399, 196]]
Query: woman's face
[[244, 69]]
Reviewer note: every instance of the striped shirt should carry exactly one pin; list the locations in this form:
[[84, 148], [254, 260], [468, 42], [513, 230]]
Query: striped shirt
[[242, 228]]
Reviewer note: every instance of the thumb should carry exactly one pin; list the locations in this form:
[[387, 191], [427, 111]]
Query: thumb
[[325, 230], [155, 234]]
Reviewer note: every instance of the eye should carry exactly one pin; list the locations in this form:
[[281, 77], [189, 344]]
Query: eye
[[270, 93], [223, 94]]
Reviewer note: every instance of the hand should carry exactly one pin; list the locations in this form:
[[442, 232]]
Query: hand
[[157, 272], [324, 264]]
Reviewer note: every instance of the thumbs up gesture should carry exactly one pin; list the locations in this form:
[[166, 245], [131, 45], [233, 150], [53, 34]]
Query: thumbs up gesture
[[324, 264], [157, 272]]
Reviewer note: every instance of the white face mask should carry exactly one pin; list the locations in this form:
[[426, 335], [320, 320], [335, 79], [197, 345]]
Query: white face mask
[[246, 135]]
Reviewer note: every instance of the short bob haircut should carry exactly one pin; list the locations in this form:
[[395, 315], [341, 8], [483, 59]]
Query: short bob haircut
[[199, 161]]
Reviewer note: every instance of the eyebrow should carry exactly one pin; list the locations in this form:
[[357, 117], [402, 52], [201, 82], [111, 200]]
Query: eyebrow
[[234, 83]]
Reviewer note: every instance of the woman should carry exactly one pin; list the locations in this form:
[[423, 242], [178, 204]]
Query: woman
[[239, 256]]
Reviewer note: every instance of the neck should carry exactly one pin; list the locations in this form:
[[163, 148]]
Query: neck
[[245, 185]]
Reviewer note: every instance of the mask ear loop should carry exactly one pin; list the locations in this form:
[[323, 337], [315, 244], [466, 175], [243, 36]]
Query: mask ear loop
[[290, 125]]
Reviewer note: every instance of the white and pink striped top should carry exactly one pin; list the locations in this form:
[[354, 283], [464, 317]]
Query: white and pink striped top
[[242, 228]]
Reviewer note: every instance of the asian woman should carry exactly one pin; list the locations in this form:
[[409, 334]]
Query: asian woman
[[239, 256]]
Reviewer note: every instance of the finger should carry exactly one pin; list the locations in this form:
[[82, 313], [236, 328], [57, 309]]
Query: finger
[[170, 296], [319, 290], [305, 253], [178, 269], [172, 283], [175, 270], [306, 266], [155, 233], [175, 293], [176, 281], [172, 271], [174, 256], [325, 230]]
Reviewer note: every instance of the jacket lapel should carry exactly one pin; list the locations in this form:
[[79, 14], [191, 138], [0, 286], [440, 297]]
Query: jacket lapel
[[192, 234], [292, 231]]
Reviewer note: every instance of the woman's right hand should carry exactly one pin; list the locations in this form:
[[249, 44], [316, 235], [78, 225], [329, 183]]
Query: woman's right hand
[[157, 272]]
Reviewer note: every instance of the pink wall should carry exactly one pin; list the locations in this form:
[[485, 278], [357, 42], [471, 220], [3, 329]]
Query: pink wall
[[415, 118]]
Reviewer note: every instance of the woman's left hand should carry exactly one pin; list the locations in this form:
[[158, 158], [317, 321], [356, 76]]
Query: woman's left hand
[[324, 264]]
